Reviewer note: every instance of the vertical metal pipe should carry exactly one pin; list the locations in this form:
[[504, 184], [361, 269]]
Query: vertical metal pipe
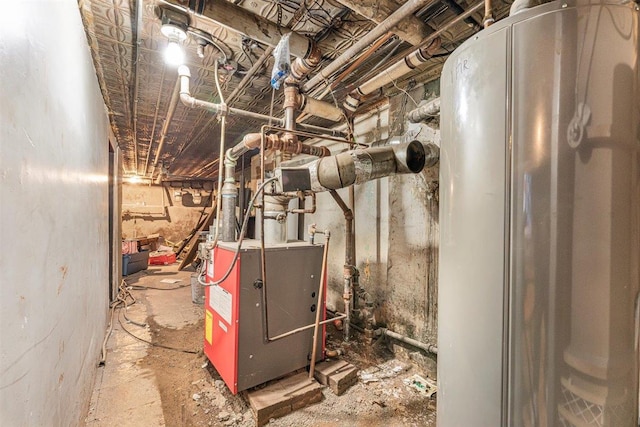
[[348, 269], [289, 118], [263, 260], [229, 199]]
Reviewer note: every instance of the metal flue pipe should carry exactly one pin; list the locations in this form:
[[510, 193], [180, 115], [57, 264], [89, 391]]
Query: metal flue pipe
[[359, 166], [347, 56]]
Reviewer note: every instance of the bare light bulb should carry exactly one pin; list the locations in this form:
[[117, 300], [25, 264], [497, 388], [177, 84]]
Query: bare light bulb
[[174, 55]]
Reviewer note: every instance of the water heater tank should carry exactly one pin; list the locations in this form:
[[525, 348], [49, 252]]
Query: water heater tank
[[539, 215]]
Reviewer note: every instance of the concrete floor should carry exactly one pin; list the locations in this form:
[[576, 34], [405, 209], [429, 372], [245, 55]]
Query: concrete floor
[[145, 385], [126, 393]]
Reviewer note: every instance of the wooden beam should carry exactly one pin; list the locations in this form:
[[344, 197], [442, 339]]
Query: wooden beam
[[410, 29]]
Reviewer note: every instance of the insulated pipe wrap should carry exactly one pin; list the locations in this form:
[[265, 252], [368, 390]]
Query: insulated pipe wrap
[[394, 72]]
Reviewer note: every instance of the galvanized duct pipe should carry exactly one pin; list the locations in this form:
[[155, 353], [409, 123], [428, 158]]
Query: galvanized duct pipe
[[427, 111], [349, 269], [347, 56], [397, 70], [359, 166], [165, 126]]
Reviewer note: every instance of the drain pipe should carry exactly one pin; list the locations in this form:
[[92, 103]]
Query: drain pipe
[[349, 270], [429, 348], [397, 70], [357, 48], [165, 126], [249, 142]]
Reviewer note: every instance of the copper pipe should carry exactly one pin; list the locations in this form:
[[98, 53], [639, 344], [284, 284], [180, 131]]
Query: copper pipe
[[304, 328], [283, 142], [263, 257], [488, 14], [310, 210]]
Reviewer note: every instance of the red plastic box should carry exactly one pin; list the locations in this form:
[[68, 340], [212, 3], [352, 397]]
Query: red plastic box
[[162, 258]]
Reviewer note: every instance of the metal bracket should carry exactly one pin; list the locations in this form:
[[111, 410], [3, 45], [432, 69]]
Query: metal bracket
[[575, 131]]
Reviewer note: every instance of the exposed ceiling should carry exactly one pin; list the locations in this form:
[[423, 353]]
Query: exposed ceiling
[[137, 85]]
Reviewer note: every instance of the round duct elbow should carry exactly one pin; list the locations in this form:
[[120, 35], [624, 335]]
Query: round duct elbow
[[410, 158], [360, 166]]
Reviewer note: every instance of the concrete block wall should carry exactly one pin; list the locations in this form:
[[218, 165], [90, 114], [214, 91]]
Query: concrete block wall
[[154, 210], [54, 271]]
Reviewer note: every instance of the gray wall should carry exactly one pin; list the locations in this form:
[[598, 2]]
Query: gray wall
[[153, 209], [397, 230], [54, 268]]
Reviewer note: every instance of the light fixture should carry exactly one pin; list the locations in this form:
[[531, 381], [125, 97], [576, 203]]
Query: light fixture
[[173, 54], [135, 179], [174, 27], [177, 195]]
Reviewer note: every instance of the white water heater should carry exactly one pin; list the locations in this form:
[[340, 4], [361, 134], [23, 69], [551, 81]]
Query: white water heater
[[539, 216]]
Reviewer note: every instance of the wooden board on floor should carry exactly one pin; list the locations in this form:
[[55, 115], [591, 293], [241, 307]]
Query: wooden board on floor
[[339, 375], [284, 396]]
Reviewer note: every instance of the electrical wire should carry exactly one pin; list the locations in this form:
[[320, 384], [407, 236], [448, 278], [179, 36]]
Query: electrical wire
[[154, 344], [124, 299], [242, 233]]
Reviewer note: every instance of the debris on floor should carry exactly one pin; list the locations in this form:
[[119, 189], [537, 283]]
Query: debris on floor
[[423, 385], [179, 388], [389, 369]]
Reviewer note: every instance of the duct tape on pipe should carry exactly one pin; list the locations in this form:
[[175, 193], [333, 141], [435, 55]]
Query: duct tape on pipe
[[363, 166], [313, 172]]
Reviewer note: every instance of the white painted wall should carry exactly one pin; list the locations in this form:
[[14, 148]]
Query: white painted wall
[[53, 215]]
